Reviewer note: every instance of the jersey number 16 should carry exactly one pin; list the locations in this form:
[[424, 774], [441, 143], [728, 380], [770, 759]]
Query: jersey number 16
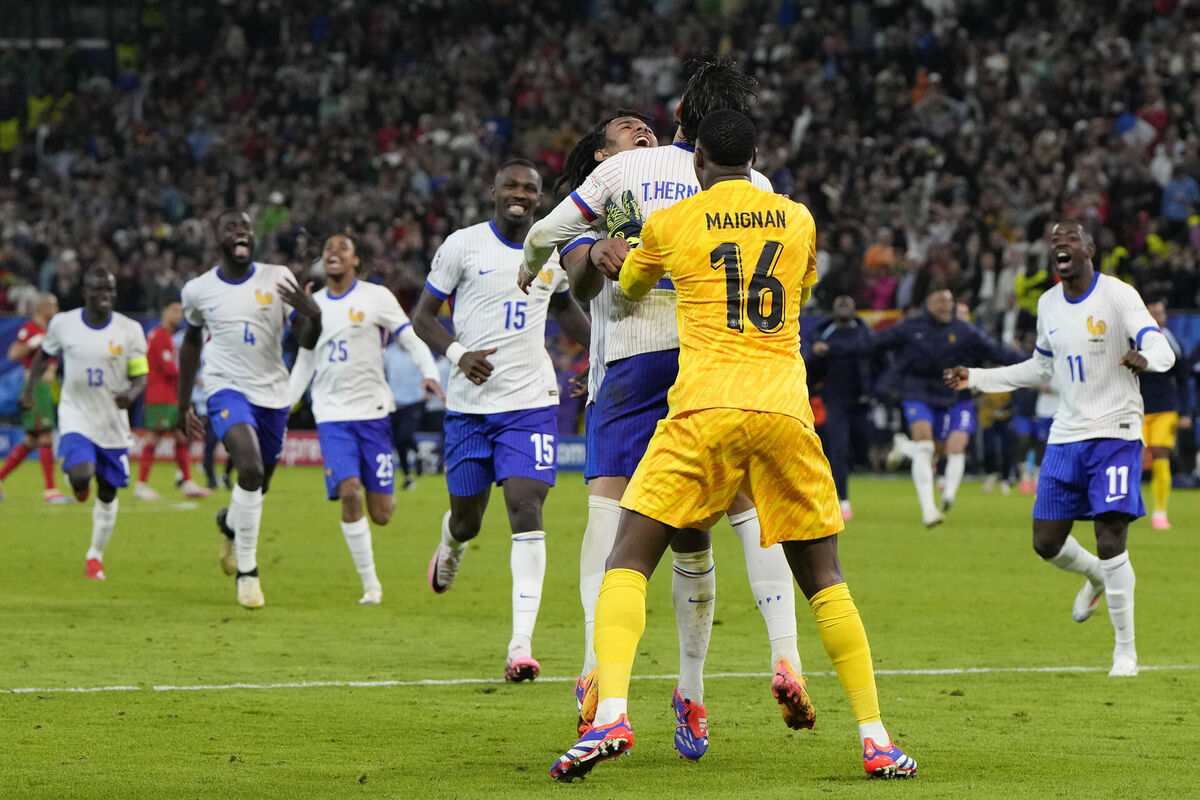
[[762, 302]]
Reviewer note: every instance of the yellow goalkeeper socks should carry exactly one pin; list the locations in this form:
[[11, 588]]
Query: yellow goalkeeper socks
[[1160, 482], [620, 621], [845, 641]]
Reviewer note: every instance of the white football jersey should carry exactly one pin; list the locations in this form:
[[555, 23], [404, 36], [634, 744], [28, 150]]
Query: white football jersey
[[349, 383], [658, 177], [600, 310], [1079, 346], [245, 322], [95, 368], [477, 270]]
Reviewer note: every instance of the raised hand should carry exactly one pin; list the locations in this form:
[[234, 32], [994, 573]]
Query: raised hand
[[624, 219], [299, 299]]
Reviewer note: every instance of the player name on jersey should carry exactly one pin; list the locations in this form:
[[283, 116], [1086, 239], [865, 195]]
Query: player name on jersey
[[745, 219]]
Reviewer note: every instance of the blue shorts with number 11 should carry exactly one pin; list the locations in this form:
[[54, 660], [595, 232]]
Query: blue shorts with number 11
[[1081, 480], [482, 448]]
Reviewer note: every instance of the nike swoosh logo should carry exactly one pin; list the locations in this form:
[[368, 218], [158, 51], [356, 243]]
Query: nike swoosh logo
[[540, 467], [1111, 497], [486, 271], [385, 483], [694, 600], [529, 596], [1053, 331]]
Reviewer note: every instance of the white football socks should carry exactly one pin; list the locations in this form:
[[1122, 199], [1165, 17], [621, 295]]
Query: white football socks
[[1119, 582], [694, 593], [104, 519], [1073, 558], [956, 465], [245, 517], [922, 475], [875, 732], [358, 539], [447, 539], [604, 514], [772, 587], [528, 563]]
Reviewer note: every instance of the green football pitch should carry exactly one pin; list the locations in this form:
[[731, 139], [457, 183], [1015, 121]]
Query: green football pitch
[[155, 684]]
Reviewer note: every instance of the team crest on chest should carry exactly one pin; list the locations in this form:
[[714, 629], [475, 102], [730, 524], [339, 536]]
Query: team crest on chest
[[115, 348], [357, 316], [1096, 328], [262, 297]]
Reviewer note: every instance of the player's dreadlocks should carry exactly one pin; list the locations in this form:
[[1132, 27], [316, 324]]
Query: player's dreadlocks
[[582, 158], [717, 83]]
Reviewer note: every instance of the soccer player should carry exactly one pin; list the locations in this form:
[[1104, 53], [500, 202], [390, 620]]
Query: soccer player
[[104, 372], [840, 357], [500, 417], [742, 260], [38, 420], [641, 348], [924, 346], [1093, 464], [162, 406], [352, 400], [1165, 395], [245, 307]]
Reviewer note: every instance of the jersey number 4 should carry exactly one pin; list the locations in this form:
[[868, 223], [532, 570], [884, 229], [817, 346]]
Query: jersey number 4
[[762, 302]]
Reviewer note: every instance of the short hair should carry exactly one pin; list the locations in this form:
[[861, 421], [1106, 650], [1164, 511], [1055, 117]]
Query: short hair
[[226, 212], [519, 162], [716, 83], [1084, 233], [582, 158], [728, 138]]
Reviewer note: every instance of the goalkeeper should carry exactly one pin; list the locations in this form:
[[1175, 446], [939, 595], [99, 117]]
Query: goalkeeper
[[640, 349]]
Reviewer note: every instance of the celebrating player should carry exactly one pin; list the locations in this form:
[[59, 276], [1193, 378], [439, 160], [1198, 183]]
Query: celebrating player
[[1093, 464], [352, 399], [500, 416], [739, 416], [926, 345], [162, 406], [641, 351], [244, 306], [38, 420], [104, 355]]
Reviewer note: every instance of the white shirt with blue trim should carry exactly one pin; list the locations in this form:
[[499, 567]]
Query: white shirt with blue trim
[[95, 368], [346, 365], [245, 321], [657, 177], [1079, 348], [476, 269]]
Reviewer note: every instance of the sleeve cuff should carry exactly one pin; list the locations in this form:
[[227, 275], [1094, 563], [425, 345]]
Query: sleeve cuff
[[1143, 332], [1046, 353], [400, 330], [578, 242], [584, 208], [436, 292]]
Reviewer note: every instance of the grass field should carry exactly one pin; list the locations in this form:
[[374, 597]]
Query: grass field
[[971, 635]]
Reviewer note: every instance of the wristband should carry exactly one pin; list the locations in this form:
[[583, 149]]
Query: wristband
[[455, 351]]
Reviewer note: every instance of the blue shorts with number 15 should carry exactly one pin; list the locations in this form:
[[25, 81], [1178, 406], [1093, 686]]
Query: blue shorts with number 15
[[486, 448]]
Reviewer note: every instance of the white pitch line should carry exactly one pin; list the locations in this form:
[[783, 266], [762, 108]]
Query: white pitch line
[[466, 681]]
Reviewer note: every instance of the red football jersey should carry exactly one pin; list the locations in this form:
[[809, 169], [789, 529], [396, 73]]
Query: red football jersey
[[31, 334], [164, 368]]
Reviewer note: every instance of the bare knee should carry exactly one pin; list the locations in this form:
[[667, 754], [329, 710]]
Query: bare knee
[[350, 493], [380, 507]]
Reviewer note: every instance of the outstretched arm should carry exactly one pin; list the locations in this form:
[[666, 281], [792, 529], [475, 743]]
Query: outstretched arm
[[564, 223]]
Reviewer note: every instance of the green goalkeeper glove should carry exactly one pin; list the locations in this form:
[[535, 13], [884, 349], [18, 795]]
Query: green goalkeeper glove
[[624, 219]]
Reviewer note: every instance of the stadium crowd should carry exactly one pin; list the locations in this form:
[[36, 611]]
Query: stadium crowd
[[932, 140]]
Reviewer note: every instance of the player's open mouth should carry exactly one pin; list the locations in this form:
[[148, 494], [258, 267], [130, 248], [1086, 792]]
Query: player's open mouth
[[241, 248], [517, 209], [329, 262], [1062, 256], [641, 140]]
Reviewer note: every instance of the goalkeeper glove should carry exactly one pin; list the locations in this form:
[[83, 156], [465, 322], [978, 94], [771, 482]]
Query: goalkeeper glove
[[624, 219]]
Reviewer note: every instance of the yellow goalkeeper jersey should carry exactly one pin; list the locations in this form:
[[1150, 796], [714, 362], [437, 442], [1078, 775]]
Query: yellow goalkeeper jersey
[[740, 259]]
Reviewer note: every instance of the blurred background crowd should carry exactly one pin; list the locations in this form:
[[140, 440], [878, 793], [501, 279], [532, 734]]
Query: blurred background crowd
[[932, 140]]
